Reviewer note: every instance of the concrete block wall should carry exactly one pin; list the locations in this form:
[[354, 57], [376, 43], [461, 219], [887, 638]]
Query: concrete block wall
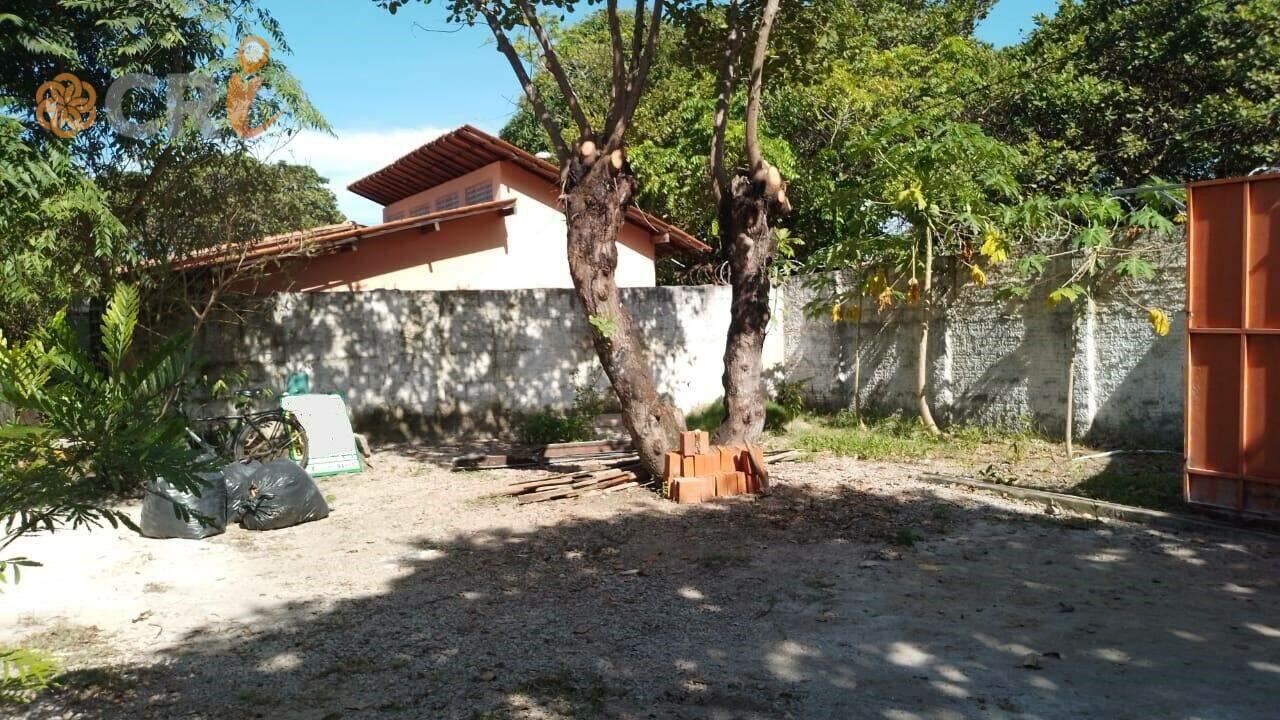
[[999, 363], [442, 364]]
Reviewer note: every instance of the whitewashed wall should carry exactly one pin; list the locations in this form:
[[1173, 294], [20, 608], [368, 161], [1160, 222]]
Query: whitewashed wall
[[439, 364]]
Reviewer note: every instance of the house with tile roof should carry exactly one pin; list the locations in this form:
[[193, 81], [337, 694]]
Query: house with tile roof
[[466, 211]]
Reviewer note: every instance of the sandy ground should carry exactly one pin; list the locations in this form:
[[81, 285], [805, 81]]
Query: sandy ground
[[853, 592]]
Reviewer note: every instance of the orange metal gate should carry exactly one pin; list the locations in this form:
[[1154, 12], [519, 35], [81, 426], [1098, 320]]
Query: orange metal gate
[[1233, 345]]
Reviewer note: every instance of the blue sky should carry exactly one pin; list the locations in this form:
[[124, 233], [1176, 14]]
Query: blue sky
[[388, 83]]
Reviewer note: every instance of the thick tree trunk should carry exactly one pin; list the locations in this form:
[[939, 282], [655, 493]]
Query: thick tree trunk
[[744, 222], [922, 366], [595, 208]]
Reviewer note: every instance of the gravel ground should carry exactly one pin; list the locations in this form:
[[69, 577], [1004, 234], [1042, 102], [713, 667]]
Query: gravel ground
[[853, 592]]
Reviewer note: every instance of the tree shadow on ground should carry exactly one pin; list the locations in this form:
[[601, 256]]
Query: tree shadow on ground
[[821, 602]]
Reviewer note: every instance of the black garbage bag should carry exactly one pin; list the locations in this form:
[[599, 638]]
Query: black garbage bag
[[238, 476], [281, 495], [206, 513]]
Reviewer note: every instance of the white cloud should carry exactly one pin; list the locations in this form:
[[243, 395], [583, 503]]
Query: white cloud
[[349, 156]]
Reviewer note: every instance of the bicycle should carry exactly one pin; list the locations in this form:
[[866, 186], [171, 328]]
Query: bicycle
[[262, 435]]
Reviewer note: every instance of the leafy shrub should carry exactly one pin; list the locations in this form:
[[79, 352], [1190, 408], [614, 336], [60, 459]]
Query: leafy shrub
[[105, 425], [790, 397], [24, 673], [573, 425], [709, 418]]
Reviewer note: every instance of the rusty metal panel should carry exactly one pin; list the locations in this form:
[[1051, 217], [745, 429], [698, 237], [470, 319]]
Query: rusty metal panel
[[1264, 255], [1262, 408], [1233, 345], [1217, 243], [1213, 405]]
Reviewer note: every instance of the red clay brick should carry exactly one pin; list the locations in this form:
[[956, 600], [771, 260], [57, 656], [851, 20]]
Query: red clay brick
[[728, 459], [686, 466], [692, 490], [757, 454], [673, 466], [706, 464], [690, 443], [727, 484]]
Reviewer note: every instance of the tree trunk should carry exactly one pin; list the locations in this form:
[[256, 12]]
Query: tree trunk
[[595, 209], [922, 366], [1069, 435], [857, 361], [744, 222]]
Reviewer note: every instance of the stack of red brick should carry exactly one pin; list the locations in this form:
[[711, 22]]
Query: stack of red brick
[[702, 471]]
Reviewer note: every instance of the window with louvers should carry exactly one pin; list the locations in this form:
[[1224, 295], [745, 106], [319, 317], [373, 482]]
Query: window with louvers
[[479, 193], [447, 202]]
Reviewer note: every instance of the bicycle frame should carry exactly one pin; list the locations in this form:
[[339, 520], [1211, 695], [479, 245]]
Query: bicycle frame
[[233, 425]]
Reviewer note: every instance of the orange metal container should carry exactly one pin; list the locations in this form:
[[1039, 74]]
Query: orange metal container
[[1233, 345]]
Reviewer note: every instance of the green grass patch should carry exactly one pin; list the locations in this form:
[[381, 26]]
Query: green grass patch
[[892, 437]]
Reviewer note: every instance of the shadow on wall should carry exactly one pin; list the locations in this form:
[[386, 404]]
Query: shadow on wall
[[1003, 364], [1141, 396], [1009, 363], [431, 365], [750, 610]]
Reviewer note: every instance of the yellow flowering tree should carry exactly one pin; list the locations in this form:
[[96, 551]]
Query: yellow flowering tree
[[936, 200]]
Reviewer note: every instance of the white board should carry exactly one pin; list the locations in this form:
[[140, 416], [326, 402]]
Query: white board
[[331, 443]]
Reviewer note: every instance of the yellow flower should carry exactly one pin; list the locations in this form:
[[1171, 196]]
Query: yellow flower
[[978, 277], [1159, 321], [885, 299], [835, 313], [912, 197], [994, 247], [913, 291]]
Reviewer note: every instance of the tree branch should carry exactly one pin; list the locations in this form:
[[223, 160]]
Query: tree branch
[[530, 90], [619, 65], [724, 93], [552, 61], [754, 157], [637, 32], [639, 74]]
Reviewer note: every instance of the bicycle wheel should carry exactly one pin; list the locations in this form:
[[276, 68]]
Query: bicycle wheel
[[272, 437]]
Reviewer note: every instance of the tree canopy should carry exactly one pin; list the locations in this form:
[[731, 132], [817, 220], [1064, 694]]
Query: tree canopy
[[77, 213]]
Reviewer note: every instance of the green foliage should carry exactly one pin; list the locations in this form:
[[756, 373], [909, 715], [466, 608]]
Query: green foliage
[[886, 438], [576, 424], [776, 416], [606, 325], [24, 673], [77, 214], [790, 396], [1107, 93], [102, 428], [58, 236]]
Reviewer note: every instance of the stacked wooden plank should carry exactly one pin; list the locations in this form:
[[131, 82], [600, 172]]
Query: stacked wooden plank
[[576, 484], [570, 453], [701, 471]]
